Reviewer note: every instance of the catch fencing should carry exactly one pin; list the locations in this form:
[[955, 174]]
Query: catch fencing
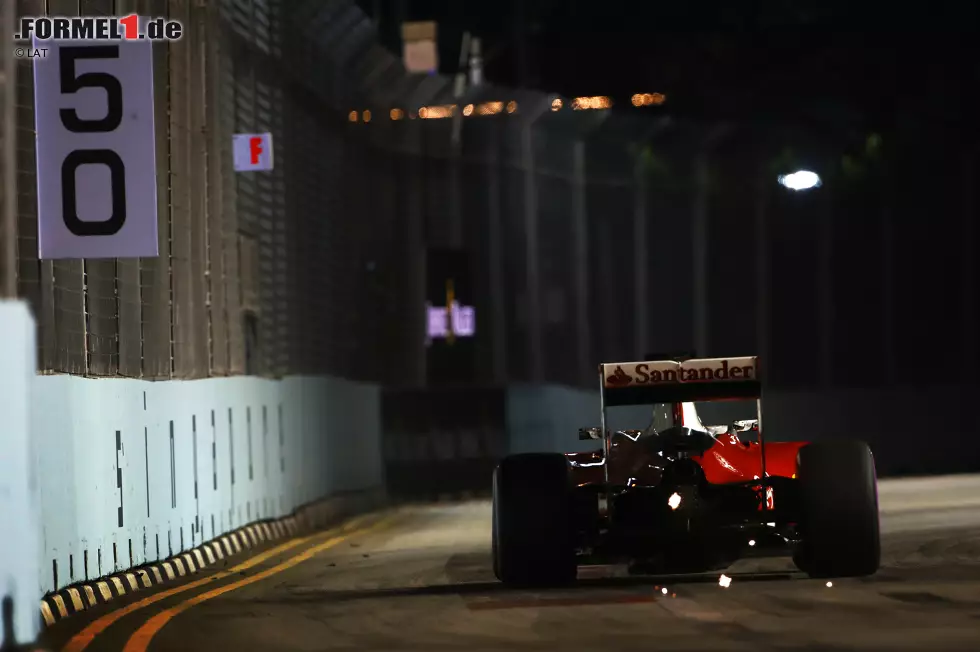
[[593, 233], [258, 273]]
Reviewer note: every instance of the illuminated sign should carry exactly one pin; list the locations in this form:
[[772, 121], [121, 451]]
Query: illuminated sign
[[450, 321], [457, 321]]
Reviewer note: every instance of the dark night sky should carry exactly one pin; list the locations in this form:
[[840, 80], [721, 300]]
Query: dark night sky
[[856, 62]]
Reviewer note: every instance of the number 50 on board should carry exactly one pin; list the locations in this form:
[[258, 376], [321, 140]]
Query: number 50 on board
[[96, 150]]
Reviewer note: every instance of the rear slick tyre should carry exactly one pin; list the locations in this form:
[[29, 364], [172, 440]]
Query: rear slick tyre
[[839, 510], [532, 539]]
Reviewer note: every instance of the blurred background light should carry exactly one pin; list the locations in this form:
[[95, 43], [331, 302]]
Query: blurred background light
[[591, 103], [490, 108], [800, 180], [437, 112], [648, 99]]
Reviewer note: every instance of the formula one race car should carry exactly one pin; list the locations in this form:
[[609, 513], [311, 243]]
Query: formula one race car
[[683, 497]]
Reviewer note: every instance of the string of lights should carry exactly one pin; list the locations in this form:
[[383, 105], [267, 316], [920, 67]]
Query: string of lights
[[443, 111]]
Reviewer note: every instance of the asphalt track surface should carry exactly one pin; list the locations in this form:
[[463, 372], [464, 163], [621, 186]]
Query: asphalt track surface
[[419, 578]]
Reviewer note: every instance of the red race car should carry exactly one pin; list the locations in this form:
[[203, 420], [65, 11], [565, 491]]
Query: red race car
[[680, 496]]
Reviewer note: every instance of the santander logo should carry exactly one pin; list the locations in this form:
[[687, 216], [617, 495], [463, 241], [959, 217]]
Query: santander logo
[[617, 375], [618, 378]]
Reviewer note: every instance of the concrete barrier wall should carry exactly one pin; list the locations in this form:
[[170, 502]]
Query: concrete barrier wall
[[131, 471], [20, 543], [135, 471]]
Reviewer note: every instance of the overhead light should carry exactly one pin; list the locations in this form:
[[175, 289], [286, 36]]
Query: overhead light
[[648, 99], [490, 108], [800, 180], [591, 103], [437, 112]]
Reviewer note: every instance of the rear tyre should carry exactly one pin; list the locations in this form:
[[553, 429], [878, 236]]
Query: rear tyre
[[839, 525], [533, 536]]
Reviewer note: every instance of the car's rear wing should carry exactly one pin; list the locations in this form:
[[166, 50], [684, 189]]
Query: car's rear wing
[[679, 381], [670, 381]]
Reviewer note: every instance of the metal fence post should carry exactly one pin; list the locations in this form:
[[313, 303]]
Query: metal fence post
[[129, 292], [533, 263], [641, 267], [887, 281], [581, 261], [456, 149], [35, 278], [495, 254], [968, 263], [762, 267], [100, 278], [699, 257], [532, 279], [70, 296], [8, 155], [417, 255], [157, 350], [825, 290], [702, 238]]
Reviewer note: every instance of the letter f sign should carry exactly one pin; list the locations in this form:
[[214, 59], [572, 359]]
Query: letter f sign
[[253, 152]]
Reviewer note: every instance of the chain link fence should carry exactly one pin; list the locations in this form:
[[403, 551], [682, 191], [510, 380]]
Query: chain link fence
[[593, 234], [215, 300]]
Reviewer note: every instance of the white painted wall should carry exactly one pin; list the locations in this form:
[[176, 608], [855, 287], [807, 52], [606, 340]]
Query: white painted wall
[[20, 543], [197, 458]]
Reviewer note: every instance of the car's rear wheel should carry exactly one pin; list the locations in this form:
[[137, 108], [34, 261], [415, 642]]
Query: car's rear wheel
[[533, 542], [839, 523]]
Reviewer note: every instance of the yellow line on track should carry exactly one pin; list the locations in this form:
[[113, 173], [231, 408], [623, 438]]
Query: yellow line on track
[[84, 638], [141, 639]]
